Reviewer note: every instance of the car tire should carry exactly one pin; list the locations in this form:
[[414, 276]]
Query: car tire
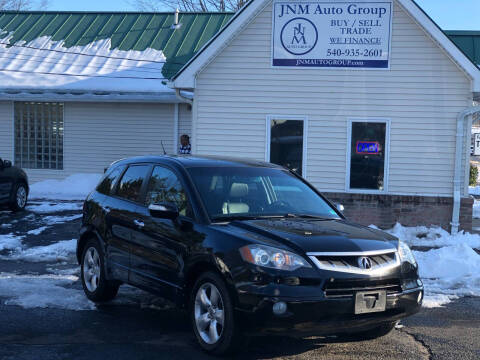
[[204, 318], [19, 197], [95, 284], [371, 334]]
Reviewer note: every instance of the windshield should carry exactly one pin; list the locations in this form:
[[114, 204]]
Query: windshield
[[243, 192]]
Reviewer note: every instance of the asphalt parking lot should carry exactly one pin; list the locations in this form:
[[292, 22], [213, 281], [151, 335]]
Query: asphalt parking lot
[[44, 315]]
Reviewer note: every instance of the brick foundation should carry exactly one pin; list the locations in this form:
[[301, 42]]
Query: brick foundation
[[386, 210]]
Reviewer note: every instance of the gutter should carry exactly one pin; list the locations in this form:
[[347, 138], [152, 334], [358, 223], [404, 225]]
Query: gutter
[[80, 96], [183, 98], [462, 119]]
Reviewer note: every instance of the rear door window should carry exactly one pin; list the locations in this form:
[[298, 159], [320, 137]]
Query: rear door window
[[130, 186], [110, 179]]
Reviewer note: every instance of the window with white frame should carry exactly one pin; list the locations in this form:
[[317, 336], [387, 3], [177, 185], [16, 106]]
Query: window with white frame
[[39, 135], [368, 155], [286, 142]]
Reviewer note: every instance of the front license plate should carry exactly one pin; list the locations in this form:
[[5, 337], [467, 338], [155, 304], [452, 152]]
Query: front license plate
[[370, 302]]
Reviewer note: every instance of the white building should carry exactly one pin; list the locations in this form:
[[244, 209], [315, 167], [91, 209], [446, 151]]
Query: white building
[[366, 102]]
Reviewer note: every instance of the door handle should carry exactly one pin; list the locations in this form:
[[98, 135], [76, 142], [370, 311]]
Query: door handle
[[140, 224]]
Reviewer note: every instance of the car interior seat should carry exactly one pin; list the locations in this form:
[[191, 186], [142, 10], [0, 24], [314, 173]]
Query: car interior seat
[[235, 204]]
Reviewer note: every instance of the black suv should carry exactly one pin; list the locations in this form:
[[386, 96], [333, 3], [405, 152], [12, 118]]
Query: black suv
[[13, 186], [242, 245]]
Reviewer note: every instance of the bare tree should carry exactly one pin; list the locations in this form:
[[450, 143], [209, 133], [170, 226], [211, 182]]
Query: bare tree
[[23, 4], [189, 5]]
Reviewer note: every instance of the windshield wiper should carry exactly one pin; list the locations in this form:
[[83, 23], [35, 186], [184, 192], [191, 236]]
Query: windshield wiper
[[246, 217], [308, 216], [280, 216]]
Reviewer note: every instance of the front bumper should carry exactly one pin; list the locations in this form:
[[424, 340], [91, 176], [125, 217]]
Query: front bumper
[[323, 316]]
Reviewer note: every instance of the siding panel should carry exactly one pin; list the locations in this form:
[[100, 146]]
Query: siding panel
[[6, 130], [97, 134], [421, 94]]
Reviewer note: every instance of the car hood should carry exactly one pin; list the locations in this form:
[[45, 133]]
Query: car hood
[[312, 235]]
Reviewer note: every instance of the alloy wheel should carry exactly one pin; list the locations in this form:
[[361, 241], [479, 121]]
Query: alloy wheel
[[91, 269], [21, 197], [209, 313]]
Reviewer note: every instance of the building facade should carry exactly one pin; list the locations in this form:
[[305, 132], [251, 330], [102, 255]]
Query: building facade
[[409, 111]]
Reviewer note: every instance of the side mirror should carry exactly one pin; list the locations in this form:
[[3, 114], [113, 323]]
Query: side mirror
[[164, 211], [340, 208], [7, 164]]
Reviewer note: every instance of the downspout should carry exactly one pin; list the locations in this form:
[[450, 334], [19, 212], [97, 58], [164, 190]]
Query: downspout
[[190, 102], [175, 129], [457, 180]]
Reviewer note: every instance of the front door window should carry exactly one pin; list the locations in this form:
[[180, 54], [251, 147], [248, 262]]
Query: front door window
[[165, 187]]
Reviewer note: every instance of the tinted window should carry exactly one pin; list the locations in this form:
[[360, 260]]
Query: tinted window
[[164, 187], [256, 192], [131, 183], [286, 144], [108, 182], [367, 162]]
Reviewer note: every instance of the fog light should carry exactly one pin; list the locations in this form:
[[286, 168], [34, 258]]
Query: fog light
[[420, 297], [279, 308]]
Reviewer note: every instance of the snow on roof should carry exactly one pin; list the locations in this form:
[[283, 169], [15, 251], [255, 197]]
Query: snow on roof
[[46, 65]]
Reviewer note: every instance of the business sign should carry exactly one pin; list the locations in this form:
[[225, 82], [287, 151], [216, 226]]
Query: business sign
[[367, 147], [476, 144], [332, 34]]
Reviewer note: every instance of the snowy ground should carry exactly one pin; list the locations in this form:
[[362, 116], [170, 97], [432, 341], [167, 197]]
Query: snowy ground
[[74, 187]]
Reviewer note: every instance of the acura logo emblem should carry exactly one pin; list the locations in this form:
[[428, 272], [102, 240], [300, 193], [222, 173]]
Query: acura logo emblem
[[365, 263]]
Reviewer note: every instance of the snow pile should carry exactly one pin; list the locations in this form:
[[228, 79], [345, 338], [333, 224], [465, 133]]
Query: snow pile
[[451, 269], [10, 242], [45, 208], [474, 190], [448, 273], [59, 251], [43, 291], [433, 237], [74, 187], [46, 64]]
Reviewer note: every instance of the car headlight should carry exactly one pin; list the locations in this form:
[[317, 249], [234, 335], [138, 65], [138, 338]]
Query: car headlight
[[405, 253], [270, 257]]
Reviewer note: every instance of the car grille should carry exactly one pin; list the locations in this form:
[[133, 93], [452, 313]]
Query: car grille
[[353, 263], [339, 288]]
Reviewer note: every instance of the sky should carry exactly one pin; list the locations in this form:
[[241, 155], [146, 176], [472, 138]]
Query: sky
[[449, 14]]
